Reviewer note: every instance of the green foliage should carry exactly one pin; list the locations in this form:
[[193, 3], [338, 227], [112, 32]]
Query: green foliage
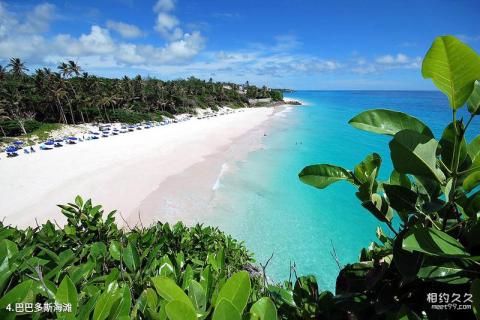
[[105, 272], [432, 245], [323, 175], [72, 97], [388, 122], [12, 128], [453, 67]]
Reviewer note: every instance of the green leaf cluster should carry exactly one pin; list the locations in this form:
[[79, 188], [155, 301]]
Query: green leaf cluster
[[430, 204]]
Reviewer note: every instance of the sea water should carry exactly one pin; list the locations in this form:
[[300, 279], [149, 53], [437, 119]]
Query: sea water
[[263, 203]]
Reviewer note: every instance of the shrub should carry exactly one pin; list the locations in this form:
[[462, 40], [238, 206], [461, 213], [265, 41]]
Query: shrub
[[140, 273], [12, 129], [432, 192]]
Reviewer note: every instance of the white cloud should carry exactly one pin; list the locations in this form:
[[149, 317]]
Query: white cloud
[[124, 29], [286, 42], [97, 41], [181, 54], [36, 21], [168, 26], [96, 48], [362, 65], [39, 19], [400, 58], [164, 5]]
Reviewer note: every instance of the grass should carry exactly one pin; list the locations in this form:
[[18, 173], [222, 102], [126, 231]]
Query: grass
[[42, 133]]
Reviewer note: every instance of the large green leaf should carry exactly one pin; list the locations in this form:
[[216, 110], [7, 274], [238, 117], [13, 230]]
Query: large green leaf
[[236, 290], [87, 308], [474, 150], [368, 187], [17, 294], [407, 263], [453, 67], [168, 290], [130, 257], [67, 293], [471, 181], [379, 207], [400, 198], [198, 295], [264, 309], [400, 179], [433, 242], [178, 310], [105, 302], [447, 270], [364, 169], [322, 175], [472, 205], [414, 153], [473, 102], [225, 310], [115, 250], [122, 306], [7, 249], [447, 143], [388, 122], [282, 294]]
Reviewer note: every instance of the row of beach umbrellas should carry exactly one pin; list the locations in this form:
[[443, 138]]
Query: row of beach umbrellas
[[104, 131]]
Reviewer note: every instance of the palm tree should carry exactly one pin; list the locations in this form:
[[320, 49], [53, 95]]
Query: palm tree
[[74, 68], [3, 115], [17, 67], [11, 101], [58, 94], [64, 69], [108, 101], [3, 72]]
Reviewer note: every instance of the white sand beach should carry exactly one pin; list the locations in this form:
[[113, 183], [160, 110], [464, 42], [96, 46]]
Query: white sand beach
[[120, 172]]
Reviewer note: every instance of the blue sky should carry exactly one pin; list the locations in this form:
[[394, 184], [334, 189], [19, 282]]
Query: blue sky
[[280, 43]]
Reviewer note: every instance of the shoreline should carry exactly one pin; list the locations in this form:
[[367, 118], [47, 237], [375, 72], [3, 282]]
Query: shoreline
[[119, 173], [187, 196]]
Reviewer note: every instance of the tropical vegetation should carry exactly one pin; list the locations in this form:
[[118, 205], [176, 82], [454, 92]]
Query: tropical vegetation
[[430, 203], [71, 96], [101, 271]]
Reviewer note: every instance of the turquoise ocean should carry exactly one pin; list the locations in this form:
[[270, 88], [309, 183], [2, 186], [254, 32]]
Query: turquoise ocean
[[263, 203]]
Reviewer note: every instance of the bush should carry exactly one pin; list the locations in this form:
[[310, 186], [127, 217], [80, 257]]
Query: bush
[[126, 116], [12, 129], [433, 194], [94, 265]]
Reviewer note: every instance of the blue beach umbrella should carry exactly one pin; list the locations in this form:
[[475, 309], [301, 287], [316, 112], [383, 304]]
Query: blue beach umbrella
[[72, 138], [11, 149], [49, 143], [18, 143]]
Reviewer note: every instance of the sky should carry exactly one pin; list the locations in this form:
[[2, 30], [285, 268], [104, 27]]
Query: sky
[[298, 44]]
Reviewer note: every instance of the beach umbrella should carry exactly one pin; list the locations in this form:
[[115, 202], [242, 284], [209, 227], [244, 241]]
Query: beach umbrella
[[58, 140], [72, 138], [11, 149], [18, 143], [49, 143]]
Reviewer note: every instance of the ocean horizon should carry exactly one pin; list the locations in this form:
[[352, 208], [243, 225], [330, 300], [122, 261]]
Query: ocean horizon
[[263, 203]]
